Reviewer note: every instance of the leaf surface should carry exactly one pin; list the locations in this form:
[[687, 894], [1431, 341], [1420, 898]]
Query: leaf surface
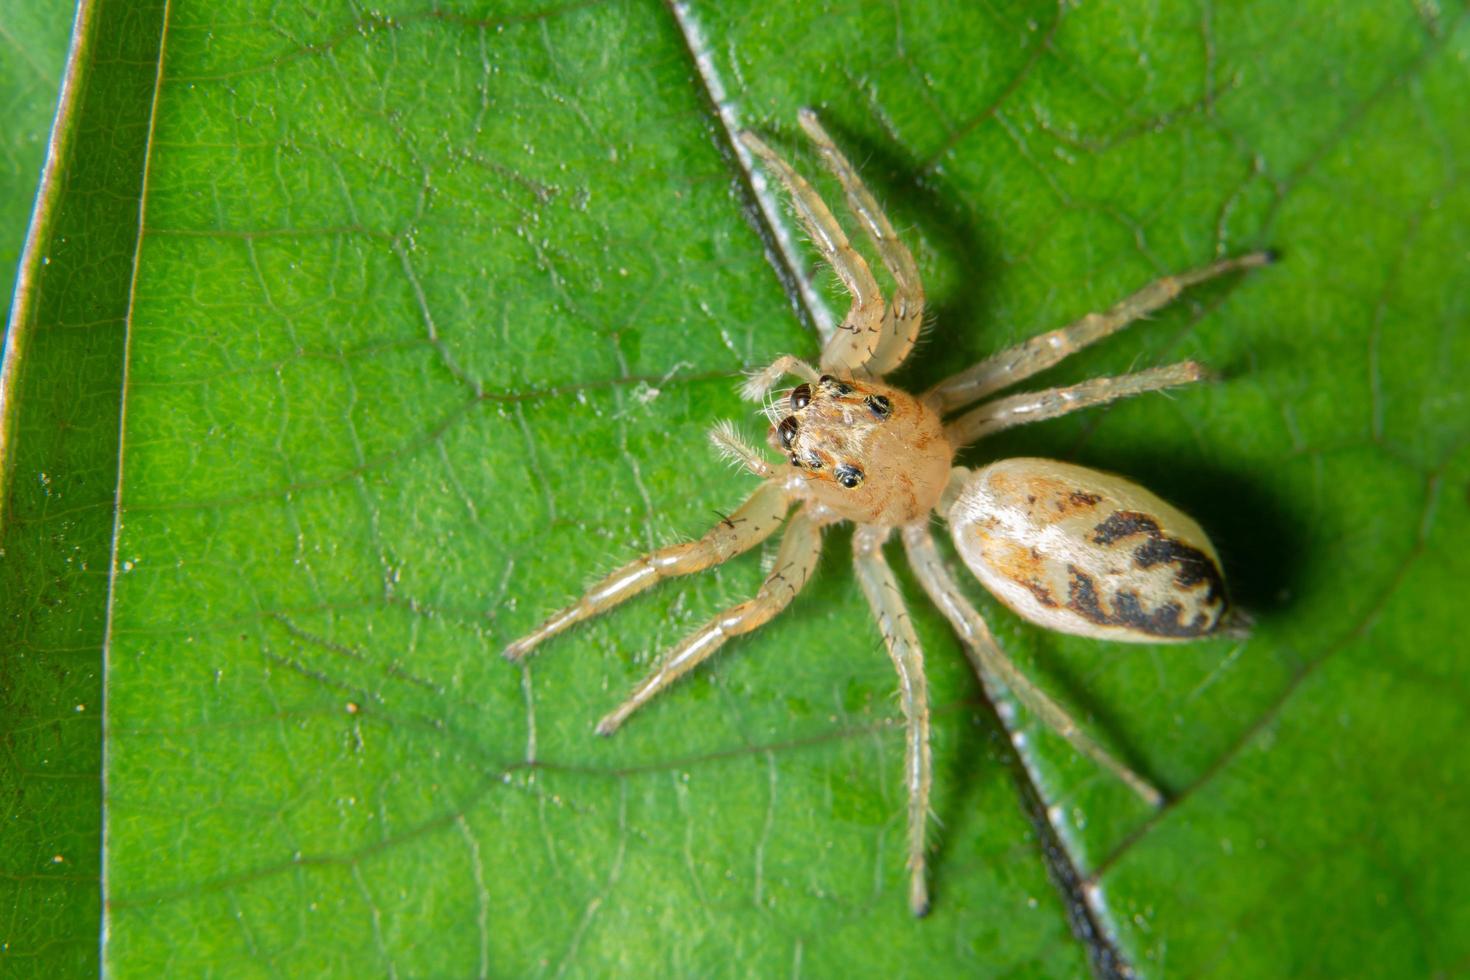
[[59, 403], [32, 49], [429, 313]]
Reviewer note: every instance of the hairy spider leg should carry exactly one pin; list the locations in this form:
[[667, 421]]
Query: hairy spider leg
[[1034, 406], [1042, 351], [796, 559], [992, 664], [906, 312], [886, 602], [747, 527], [854, 342]]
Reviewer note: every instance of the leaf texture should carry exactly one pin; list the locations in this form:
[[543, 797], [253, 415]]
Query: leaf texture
[[426, 315]]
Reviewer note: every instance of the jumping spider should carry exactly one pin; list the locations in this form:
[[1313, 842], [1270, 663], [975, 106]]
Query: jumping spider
[[1068, 548]]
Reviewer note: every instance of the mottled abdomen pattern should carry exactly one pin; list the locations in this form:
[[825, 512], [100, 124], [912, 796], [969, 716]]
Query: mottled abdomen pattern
[[1087, 552]]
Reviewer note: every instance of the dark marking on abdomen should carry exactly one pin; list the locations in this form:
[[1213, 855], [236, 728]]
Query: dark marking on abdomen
[[1128, 612], [1192, 566], [1122, 524]]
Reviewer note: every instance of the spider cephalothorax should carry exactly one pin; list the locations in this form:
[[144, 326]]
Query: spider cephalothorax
[[868, 451], [1068, 548]]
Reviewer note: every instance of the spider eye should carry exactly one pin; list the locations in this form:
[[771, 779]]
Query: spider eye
[[879, 405], [801, 397], [786, 431], [838, 387], [848, 475], [814, 461]]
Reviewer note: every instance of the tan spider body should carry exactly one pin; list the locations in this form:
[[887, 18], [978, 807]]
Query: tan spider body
[[1071, 549], [888, 444]]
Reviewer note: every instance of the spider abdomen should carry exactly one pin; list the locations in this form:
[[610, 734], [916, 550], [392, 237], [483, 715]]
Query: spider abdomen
[[1085, 552]]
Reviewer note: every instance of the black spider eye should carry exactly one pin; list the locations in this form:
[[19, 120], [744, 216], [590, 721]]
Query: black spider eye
[[786, 431], [801, 397], [879, 405], [794, 461], [814, 461], [838, 387], [848, 475]]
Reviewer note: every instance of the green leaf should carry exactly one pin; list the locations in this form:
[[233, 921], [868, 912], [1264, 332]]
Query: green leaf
[[429, 312], [58, 455], [32, 48]]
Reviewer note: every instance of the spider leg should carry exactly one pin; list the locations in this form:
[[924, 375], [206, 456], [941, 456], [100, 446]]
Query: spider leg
[[902, 326], [795, 561], [852, 345], [748, 526], [1034, 406], [886, 601], [992, 665], [1042, 351]]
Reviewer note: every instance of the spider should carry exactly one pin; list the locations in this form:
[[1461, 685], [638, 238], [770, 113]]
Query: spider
[[1068, 548]]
